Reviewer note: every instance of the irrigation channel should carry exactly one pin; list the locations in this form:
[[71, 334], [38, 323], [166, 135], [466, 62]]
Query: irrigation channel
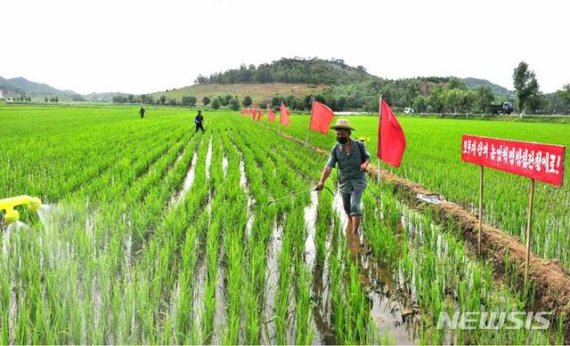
[[205, 258]]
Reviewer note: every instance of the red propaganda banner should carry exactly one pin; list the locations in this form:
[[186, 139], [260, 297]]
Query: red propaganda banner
[[543, 162]]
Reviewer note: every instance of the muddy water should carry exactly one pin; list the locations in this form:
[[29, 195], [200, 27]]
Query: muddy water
[[225, 164], [271, 277], [221, 305], [198, 301], [310, 224], [188, 182], [392, 314], [250, 201]]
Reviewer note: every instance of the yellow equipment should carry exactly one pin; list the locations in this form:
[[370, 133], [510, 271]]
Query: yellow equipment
[[8, 204]]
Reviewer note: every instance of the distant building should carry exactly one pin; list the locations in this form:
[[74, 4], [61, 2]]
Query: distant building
[[1, 95]]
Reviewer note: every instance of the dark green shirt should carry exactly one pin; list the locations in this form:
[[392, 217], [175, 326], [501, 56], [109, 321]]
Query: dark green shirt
[[350, 176]]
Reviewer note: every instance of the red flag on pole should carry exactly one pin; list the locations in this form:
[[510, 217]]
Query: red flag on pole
[[270, 115], [284, 114], [391, 139], [321, 117]]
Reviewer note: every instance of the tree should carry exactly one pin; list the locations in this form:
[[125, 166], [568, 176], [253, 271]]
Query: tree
[[484, 99], [162, 99], [234, 104], [216, 103], [537, 103], [205, 100], [525, 83], [456, 83], [275, 101], [420, 104], [247, 101], [341, 103], [131, 97], [45, 99], [201, 80], [224, 100], [565, 94], [188, 101]]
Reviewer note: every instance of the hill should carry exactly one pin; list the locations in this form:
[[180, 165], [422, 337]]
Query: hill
[[474, 83], [341, 86], [20, 86]]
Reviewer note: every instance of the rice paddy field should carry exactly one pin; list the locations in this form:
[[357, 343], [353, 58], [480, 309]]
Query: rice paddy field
[[151, 233]]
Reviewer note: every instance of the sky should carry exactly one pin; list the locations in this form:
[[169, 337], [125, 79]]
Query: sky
[[147, 46]]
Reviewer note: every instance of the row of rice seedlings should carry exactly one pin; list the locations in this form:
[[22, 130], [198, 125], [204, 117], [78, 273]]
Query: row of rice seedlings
[[303, 310], [131, 167], [214, 248], [254, 254], [157, 268], [443, 279], [76, 246], [82, 150], [255, 301], [349, 305], [257, 254]]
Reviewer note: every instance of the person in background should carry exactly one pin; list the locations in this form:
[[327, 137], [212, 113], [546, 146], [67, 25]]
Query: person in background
[[199, 121], [141, 112]]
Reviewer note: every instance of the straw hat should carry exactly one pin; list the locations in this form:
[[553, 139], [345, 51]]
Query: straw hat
[[342, 124]]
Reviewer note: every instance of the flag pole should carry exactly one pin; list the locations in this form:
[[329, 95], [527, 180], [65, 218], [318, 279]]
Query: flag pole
[[279, 124], [528, 230], [379, 139], [310, 119]]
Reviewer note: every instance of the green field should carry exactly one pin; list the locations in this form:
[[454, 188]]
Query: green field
[[151, 233], [433, 159]]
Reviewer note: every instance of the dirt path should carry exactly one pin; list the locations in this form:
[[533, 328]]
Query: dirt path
[[550, 280]]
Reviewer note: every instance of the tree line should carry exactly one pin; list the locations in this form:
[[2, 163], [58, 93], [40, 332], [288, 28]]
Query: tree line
[[353, 89]]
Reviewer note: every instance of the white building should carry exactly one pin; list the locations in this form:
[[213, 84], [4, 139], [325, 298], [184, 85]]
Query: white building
[[1, 95]]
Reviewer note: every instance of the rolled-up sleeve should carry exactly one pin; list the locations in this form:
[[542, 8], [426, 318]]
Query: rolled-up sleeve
[[332, 158]]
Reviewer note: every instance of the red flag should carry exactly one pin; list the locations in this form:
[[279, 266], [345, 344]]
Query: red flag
[[391, 139], [284, 114], [259, 114], [321, 117], [270, 115]]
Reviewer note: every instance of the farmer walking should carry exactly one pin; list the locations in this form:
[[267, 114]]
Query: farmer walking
[[352, 159], [199, 121], [141, 112]]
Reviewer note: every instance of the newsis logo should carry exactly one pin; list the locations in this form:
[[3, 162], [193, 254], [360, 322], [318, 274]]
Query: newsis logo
[[494, 320]]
